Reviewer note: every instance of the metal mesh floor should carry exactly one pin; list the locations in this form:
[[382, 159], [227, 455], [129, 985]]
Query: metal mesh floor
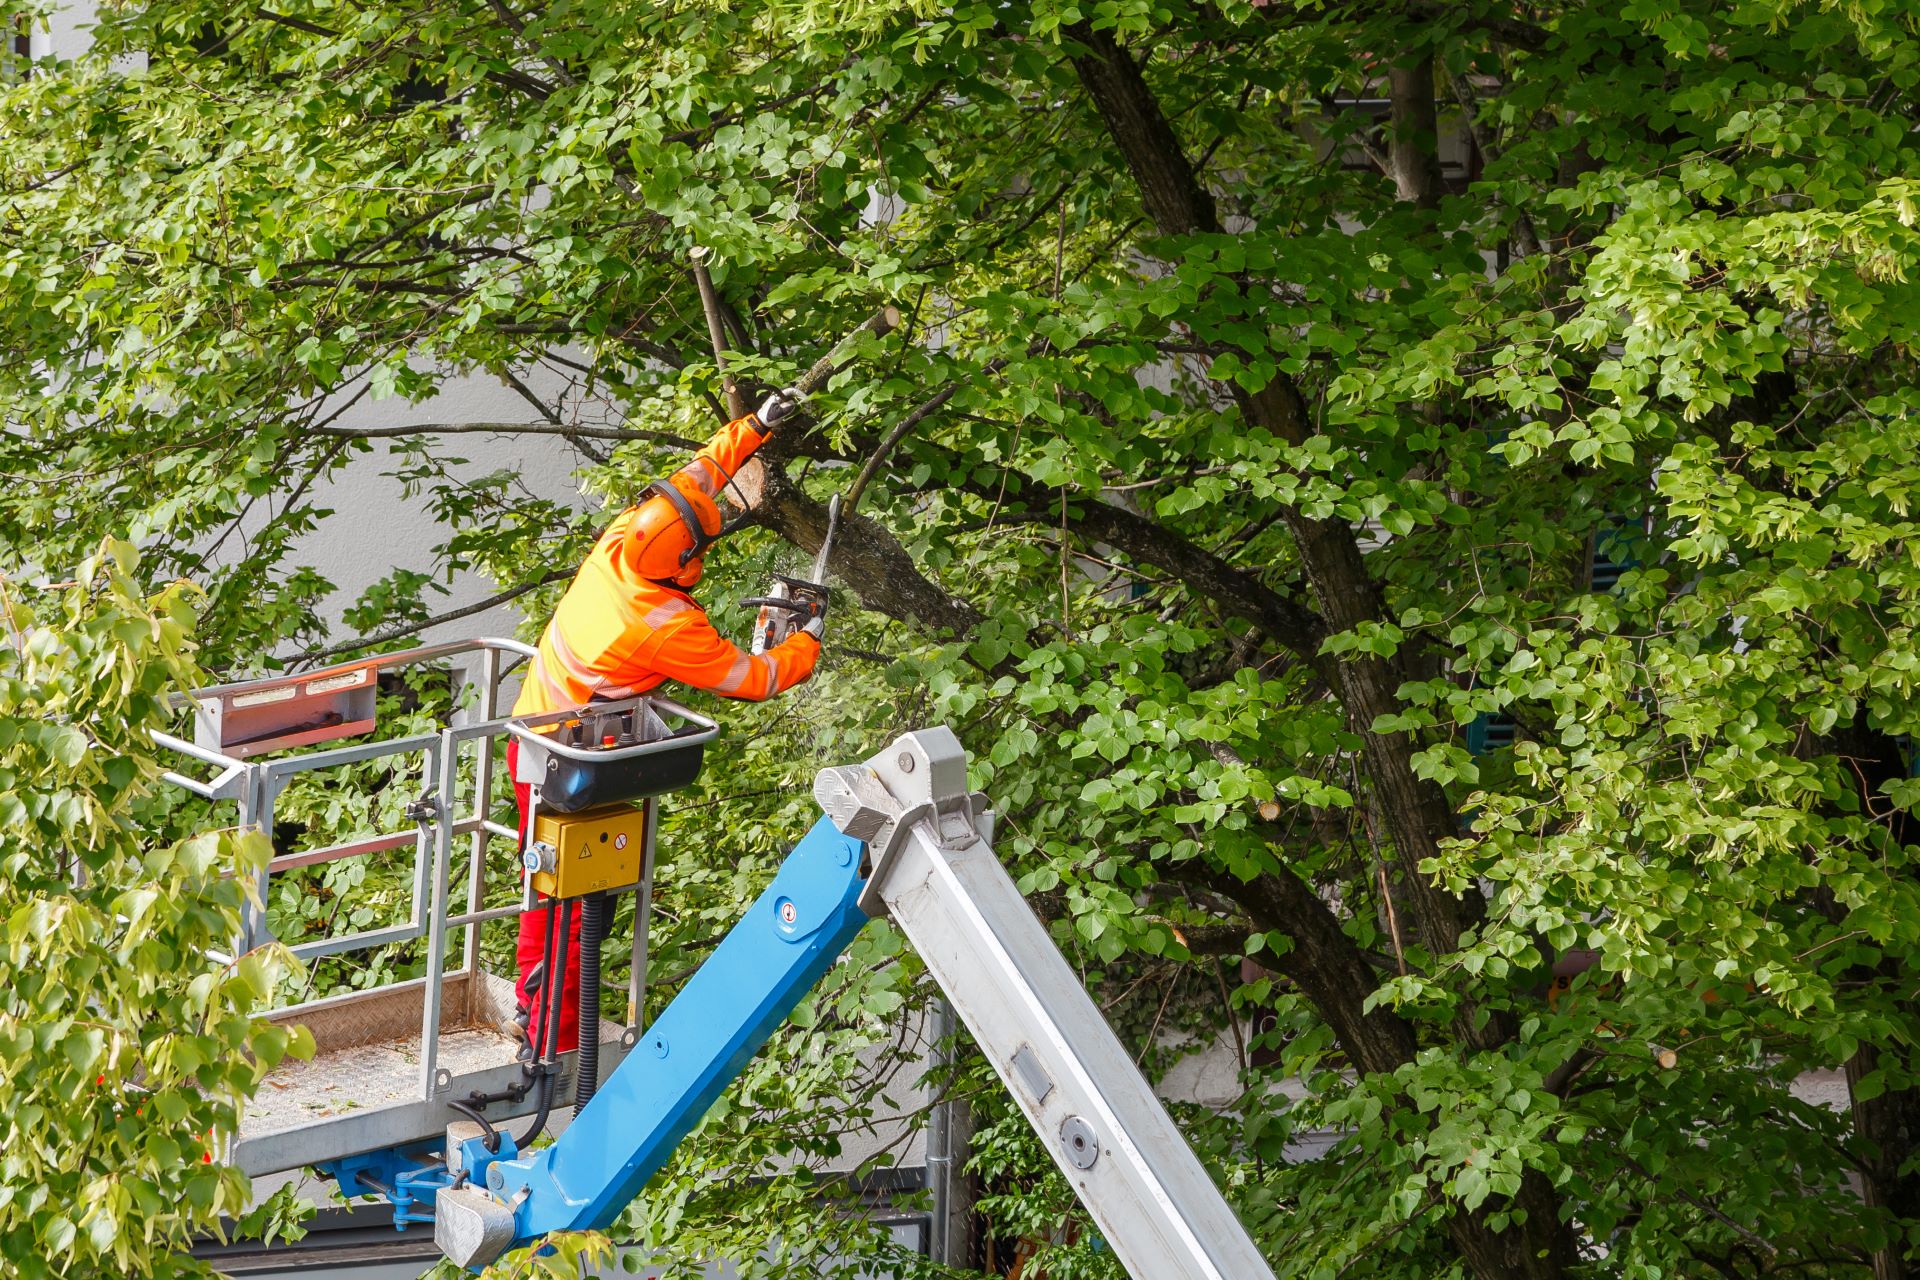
[[362, 1089], [365, 1076]]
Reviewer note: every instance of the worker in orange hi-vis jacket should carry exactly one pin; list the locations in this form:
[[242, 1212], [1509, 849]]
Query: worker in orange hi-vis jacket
[[627, 625]]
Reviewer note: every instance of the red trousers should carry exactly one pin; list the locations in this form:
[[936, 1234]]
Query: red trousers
[[532, 947]]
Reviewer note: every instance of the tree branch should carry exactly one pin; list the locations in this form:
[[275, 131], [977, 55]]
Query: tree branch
[[552, 415], [866, 554], [1207, 576], [1417, 811], [452, 615], [506, 429], [1327, 965]]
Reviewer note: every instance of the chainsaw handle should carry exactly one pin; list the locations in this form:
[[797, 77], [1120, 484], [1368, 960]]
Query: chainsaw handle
[[778, 602]]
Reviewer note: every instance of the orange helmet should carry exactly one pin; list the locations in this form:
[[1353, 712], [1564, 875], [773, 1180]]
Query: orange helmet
[[673, 525]]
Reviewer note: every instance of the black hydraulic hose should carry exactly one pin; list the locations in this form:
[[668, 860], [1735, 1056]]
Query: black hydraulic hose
[[593, 928], [556, 987], [540, 1116], [472, 1113]]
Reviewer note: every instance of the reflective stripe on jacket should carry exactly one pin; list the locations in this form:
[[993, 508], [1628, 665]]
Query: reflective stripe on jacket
[[615, 635], [723, 455]]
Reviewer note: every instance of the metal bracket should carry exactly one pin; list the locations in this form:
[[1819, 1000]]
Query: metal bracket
[[921, 778], [405, 1176]]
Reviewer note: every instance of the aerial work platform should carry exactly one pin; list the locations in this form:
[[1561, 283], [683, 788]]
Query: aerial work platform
[[379, 1107], [390, 1061]]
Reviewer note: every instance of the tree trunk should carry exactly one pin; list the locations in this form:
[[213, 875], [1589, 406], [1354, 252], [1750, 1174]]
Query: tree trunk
[[1416, 812], [1413, 152], [1886, 1127]]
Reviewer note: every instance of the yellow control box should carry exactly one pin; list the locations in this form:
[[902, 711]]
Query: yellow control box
[[598, 849]]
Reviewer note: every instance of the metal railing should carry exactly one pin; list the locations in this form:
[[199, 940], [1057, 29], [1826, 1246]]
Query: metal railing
[[256, 785]]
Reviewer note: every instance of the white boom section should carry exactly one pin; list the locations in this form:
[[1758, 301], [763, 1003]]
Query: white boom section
[[935, 873]]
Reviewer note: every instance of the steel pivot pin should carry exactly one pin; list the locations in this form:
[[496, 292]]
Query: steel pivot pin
[[1077, 1136]]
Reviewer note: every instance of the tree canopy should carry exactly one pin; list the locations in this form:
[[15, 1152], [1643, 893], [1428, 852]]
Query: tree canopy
[[1415, 497]]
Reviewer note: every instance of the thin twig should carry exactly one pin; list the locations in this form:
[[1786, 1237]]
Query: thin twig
[[914, 418], [452, 615]]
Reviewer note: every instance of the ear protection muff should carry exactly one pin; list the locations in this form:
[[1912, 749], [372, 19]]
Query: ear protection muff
[[688, 517]]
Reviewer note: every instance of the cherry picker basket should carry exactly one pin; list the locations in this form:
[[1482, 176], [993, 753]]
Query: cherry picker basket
[[391, 1058]]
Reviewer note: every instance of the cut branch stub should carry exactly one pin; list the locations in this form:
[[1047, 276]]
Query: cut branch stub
[[879, 324]]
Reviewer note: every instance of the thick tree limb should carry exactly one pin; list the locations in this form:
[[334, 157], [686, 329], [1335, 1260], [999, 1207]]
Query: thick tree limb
[[1330, 970], [1240, 593], [1327, 965], [1417, 812], [865, 555], [1208, 577]]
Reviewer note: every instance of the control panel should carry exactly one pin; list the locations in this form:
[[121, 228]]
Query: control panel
[[573, 854]]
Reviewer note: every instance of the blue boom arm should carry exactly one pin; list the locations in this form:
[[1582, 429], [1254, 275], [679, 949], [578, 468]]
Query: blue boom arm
[[764, 967], [908, 813]]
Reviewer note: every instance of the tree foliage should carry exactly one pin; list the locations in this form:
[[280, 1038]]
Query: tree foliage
[[1276, 376], [127, 1043]]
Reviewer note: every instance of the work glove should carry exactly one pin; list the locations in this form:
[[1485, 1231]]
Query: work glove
[[817, 624], [777, 407]]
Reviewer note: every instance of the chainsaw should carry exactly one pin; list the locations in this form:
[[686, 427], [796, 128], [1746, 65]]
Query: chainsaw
[[790, 603]]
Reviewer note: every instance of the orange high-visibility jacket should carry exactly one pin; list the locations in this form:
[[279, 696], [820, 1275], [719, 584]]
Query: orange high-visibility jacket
[[616, 635]]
